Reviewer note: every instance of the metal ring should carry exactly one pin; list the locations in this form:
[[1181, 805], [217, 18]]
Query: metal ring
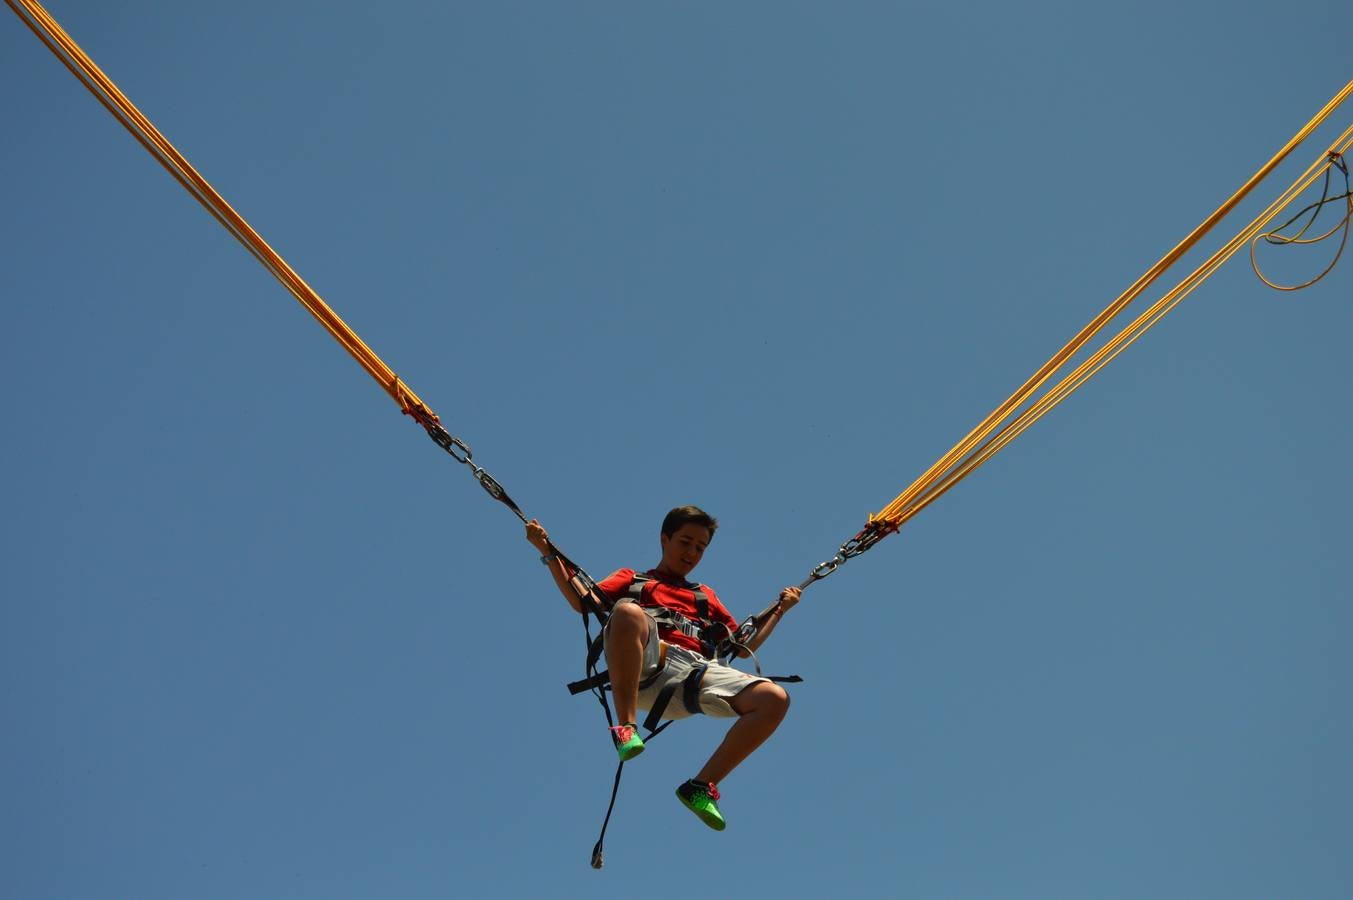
[[826, 568], [455, 444]]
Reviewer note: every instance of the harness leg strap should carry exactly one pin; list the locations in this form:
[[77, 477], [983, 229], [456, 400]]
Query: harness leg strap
[[690, 689], [690, 696]]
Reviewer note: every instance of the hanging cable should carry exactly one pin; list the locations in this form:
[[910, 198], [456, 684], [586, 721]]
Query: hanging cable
[[1277, 238]]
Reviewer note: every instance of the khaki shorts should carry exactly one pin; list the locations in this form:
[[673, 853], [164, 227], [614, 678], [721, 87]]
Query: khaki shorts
[[665, 664]]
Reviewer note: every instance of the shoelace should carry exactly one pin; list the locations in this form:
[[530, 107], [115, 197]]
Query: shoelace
[[712, 790], [622, 734]]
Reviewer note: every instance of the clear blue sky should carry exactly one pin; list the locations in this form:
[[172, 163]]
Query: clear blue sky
[[261, 639]]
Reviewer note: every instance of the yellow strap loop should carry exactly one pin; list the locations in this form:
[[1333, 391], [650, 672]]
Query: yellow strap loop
[[1273, 237]]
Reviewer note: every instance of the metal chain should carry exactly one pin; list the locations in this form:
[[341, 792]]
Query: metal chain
[[461, 453], [870, 535]]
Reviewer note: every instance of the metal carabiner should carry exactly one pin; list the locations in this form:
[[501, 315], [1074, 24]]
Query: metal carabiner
[[826, 568], [489, 483]]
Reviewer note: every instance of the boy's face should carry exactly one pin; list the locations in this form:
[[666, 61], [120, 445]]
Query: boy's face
[[682, 550]]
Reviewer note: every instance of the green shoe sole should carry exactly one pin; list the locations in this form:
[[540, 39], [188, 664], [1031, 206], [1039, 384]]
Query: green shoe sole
[[705, 809], [628, 751]]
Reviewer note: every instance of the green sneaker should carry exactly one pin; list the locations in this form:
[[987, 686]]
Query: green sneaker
[[628, 744], [699, 797]]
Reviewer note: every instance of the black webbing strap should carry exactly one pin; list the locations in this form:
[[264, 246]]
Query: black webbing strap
[[690, 689], [602, 680], [598, 857], [594, 603], [690, 697], [708, 645], [660, 705], [701, 604], [709, 634]]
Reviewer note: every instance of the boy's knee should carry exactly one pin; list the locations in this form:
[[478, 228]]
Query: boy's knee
[[767, 698], [628, 618]]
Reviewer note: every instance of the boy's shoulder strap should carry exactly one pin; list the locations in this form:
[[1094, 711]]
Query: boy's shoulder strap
[[636, 590], [701, 601]]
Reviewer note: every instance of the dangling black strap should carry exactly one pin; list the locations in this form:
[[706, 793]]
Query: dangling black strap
[[690, 698], [600, 679], [660, 706], [594, 603], [598, 857], [603, 680]]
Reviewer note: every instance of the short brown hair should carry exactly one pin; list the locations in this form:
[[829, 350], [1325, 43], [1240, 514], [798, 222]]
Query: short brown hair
[[686, 515]]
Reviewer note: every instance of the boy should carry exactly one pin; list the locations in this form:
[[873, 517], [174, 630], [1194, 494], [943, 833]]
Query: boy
[[661, 631]]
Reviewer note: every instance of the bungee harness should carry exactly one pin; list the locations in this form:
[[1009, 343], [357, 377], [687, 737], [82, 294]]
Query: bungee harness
[[715, 642], [704, 629], [993, 434]]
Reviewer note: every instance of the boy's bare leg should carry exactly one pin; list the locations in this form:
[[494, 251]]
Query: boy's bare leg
[[760, 710], [627, 633]]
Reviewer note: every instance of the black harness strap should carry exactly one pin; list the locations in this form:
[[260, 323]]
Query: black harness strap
[[690, 689], [599, 680], [690, 698], [660, 706], [603, 680], [701, 604], [710, 634], [598, 858]]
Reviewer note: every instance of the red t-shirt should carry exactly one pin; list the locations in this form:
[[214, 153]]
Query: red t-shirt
[[676, 597]]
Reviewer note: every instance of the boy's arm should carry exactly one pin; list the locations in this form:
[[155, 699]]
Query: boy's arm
[[788, 598], [563, 579]]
